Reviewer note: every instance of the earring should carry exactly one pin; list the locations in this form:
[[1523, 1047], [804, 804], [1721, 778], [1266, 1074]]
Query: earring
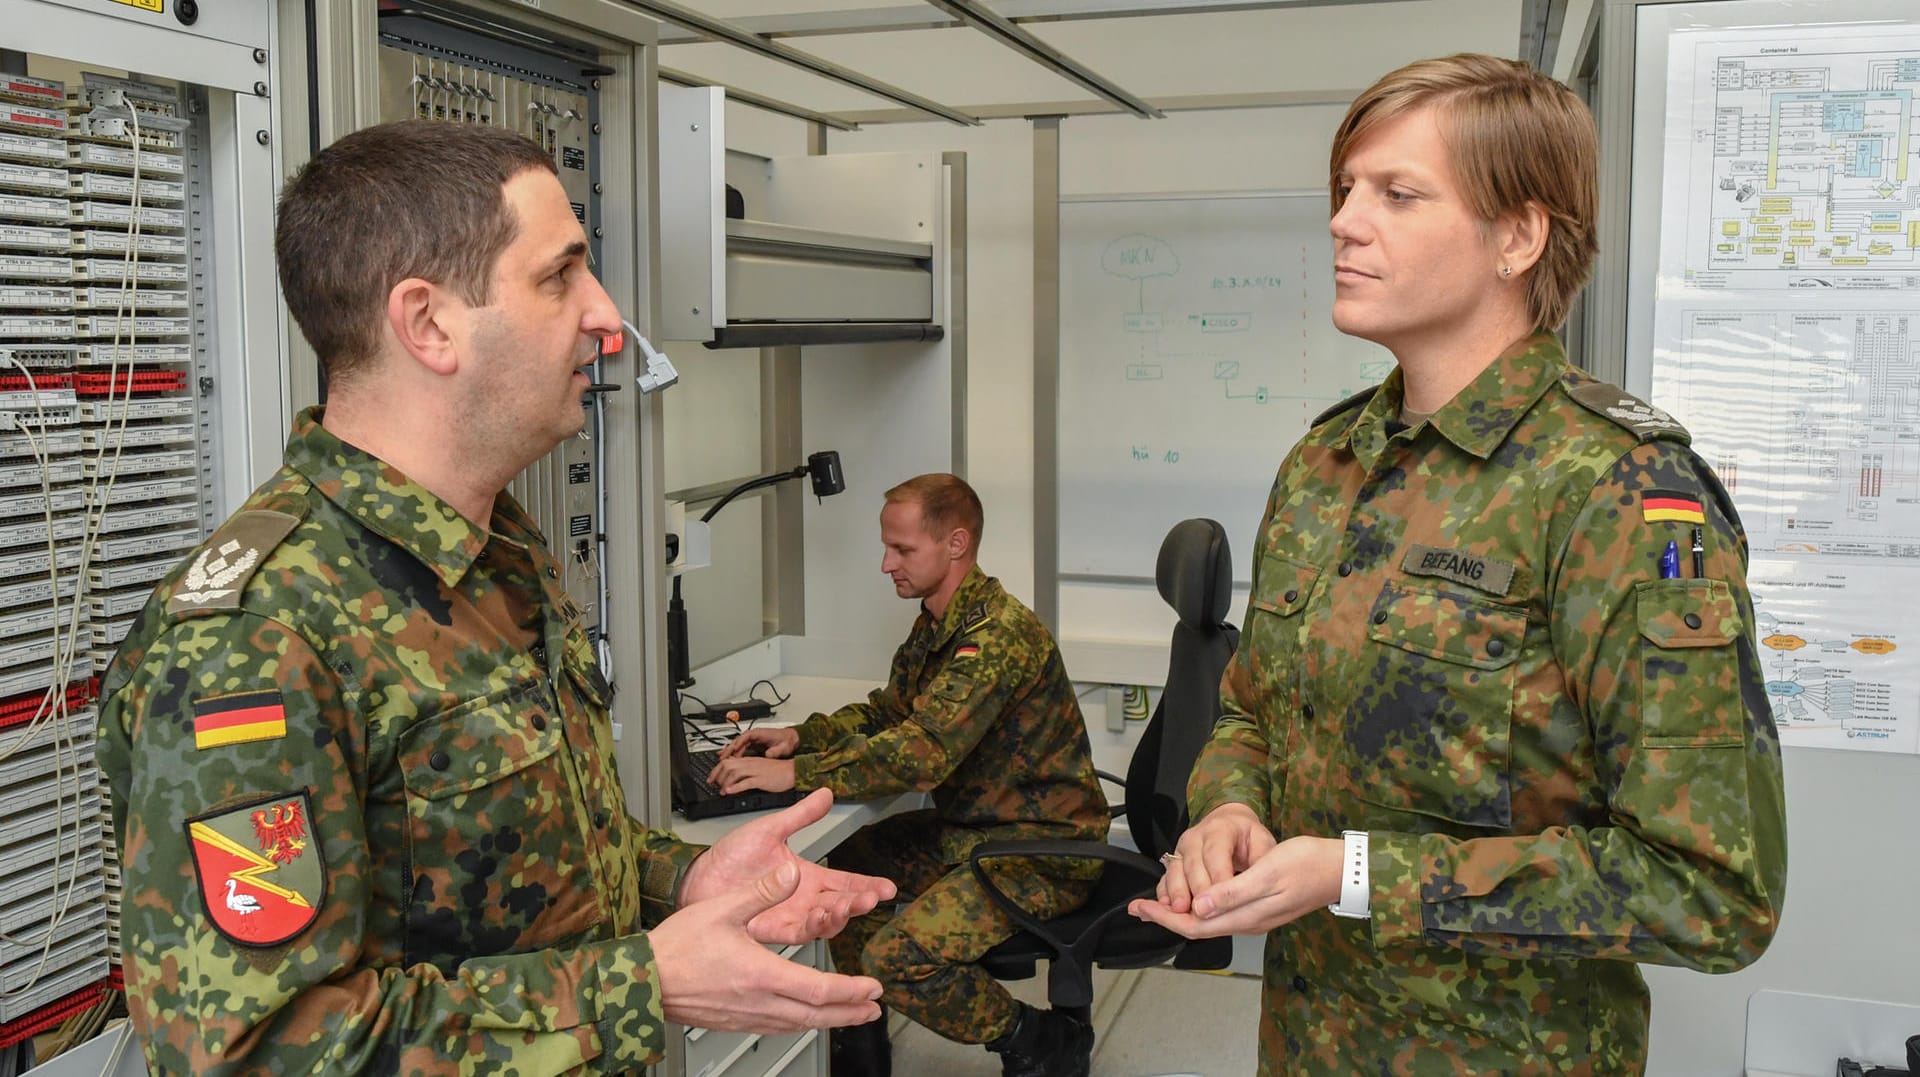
[[1506, 271]]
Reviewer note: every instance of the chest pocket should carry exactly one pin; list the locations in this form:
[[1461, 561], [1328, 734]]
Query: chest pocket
[[1429, 732], [1281, 591], [496, 846]]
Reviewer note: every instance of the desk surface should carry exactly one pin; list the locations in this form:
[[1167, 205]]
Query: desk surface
[[805, 696]]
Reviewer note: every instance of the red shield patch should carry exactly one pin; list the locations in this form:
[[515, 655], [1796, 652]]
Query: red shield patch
[[262, 873]]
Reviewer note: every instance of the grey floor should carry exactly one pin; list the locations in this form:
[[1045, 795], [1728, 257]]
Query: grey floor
[[1160, 1021]]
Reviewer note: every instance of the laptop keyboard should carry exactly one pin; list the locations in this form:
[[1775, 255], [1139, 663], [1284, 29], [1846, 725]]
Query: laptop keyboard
[[701, 764]]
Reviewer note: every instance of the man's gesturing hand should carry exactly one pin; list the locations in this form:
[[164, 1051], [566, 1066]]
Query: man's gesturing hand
[[714, 975], [821, 903]]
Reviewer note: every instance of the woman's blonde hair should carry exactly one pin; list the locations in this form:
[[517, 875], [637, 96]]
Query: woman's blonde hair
[[1516, 136]]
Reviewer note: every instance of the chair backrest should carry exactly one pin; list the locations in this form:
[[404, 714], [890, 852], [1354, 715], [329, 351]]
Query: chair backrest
[[1195, 575]]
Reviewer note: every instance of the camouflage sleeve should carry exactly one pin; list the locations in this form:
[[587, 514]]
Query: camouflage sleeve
[[820, 731], [1232, 767], [662, 861], [1690, 868], [316, 1001], [884, 707], [940, 728]]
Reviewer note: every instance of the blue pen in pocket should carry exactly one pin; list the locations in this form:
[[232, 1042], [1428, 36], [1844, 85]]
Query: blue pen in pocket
[[1670, 561]]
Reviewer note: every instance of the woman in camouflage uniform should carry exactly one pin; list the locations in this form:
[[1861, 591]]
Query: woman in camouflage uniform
[[1473, 715]]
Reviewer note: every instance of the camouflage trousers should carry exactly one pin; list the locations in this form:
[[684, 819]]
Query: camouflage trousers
[[922, 948]]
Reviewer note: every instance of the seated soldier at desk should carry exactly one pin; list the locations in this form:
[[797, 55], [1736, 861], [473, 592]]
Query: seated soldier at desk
[[978, 710]]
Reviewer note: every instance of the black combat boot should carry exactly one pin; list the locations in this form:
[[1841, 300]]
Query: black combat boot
[[1045, 1043], [861, 1050]]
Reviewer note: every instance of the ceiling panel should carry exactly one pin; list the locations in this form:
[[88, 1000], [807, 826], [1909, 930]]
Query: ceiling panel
[[945, 65], [1325, 48], [1283, 49]]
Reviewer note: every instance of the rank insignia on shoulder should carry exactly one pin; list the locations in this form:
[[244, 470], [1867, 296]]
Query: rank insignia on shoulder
[[262, 876], [219, 573], [966, 650], [976, 618], [1657, 506], [238, 718], [1637, 416]]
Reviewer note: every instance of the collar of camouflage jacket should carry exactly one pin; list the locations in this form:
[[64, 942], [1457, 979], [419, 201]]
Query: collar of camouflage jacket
[[966, 608], [1480, 416], [385, 501]]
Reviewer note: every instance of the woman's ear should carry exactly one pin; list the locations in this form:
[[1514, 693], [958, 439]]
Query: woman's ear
[[1520, 238], [417, 314]]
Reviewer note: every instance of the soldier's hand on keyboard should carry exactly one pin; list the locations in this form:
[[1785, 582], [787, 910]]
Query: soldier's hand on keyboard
[[744, 772], [775, 742]]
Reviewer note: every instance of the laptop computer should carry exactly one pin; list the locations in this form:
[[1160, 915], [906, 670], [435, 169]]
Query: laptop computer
[[695, 797]]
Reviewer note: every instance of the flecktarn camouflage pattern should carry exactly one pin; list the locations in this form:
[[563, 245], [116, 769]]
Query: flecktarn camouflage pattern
[[363, 780], [1460, 640], [977, 710]]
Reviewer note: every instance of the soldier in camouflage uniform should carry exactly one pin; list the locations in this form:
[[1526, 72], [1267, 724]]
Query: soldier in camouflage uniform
[[361, 768], [979, 712], [1510, 752]]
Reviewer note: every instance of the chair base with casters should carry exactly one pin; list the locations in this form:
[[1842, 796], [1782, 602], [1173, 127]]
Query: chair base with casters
[[1099, 934]]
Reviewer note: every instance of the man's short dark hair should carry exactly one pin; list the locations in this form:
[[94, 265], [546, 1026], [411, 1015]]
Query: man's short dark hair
[[409, 199], [946, 503]]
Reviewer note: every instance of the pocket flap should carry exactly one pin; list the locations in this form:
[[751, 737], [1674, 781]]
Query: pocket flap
[[1687, 613], [479, 742], [1282, 586], [1449, 626]]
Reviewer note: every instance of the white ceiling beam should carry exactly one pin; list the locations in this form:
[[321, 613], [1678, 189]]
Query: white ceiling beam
[[761, 101], [977, 15], [708, 27], [920, 17], [1185, 103]]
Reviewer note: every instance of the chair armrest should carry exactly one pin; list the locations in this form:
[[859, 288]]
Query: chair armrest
[[1114, 811], [1147, 870]]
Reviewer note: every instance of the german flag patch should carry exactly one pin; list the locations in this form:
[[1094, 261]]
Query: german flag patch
[[238, 718], [1659, 506], [966, 650]]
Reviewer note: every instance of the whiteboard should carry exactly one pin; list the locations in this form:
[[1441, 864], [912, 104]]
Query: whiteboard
[[1196, 346]]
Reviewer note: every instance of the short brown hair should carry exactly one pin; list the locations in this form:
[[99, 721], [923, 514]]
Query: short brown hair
[[1516, 136], [409, 199], [946, 502]]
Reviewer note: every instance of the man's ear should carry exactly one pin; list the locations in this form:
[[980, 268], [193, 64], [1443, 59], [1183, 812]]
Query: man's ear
[[418, 313], [1521, 237], [959, 543]]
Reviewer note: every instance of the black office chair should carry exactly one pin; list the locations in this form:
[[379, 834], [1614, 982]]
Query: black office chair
[[1195, 576]]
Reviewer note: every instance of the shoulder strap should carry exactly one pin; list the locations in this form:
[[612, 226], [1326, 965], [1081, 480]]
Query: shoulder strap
[[1641, 419], [218, 574]]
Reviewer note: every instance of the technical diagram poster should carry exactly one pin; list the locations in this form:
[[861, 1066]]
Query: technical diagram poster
[[1798, 160], [1785, 320]]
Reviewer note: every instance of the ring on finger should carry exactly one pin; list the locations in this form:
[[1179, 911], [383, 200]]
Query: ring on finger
[[1168, 858]]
